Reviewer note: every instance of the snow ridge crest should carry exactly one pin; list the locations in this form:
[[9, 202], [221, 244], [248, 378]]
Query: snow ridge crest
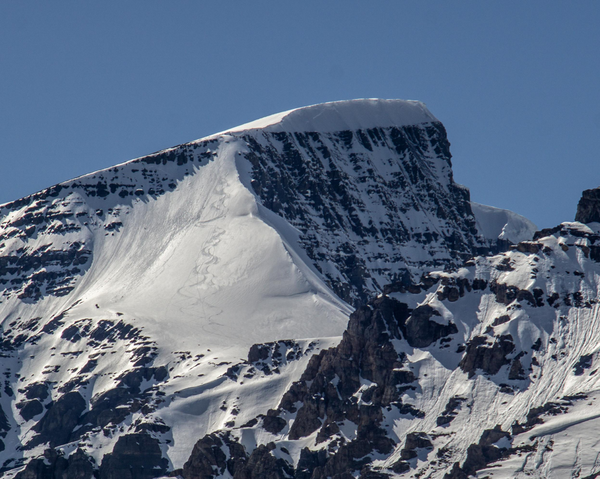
[[344, 115]]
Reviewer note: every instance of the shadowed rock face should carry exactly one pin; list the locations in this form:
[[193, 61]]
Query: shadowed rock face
[[135, 456], [421, 331], [366, 200], [56, 426], [54, 465], [588, 209]]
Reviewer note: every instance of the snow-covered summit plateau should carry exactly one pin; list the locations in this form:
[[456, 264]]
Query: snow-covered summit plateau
[[349, 115], [190, 312]]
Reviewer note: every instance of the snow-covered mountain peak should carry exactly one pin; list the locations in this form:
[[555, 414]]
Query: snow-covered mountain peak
[[150, 303], [347, 115]]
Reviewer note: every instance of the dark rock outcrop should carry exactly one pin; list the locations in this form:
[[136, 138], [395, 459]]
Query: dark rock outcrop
[[208, 460], [414, 441], [588, 209], [449, 412], [273, 423], [487, 357], [552, 408], [56, 425], [584, 363], [481, 454], [54, 465], [29, 409], [262, 464], [135, 456], [310, 461], [36, 391], [421, 331], [507, 294]]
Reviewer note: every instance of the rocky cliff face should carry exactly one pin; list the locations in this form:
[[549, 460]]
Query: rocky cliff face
[[588, 209], [169, 299], [373, 206]]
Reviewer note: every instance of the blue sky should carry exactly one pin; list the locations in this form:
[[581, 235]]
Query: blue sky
[[86, 85]]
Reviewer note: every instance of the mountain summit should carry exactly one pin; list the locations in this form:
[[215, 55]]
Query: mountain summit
[[182, 294], [350, 115]]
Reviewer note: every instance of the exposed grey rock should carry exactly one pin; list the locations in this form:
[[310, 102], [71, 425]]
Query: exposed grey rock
[[481, 454], [485, 356], [56, 425], [516, 370], [54, 465], [421, 331], [273, 423], [584, 363], [535, 414], [36, 391], [29, 409], [588, 209], [450, 411], [309, 175], [261, 464], [206, 460], [309, 461], [414, 441], [135, 456]]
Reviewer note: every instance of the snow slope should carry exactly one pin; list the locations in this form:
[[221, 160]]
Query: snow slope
[[497, 223]]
